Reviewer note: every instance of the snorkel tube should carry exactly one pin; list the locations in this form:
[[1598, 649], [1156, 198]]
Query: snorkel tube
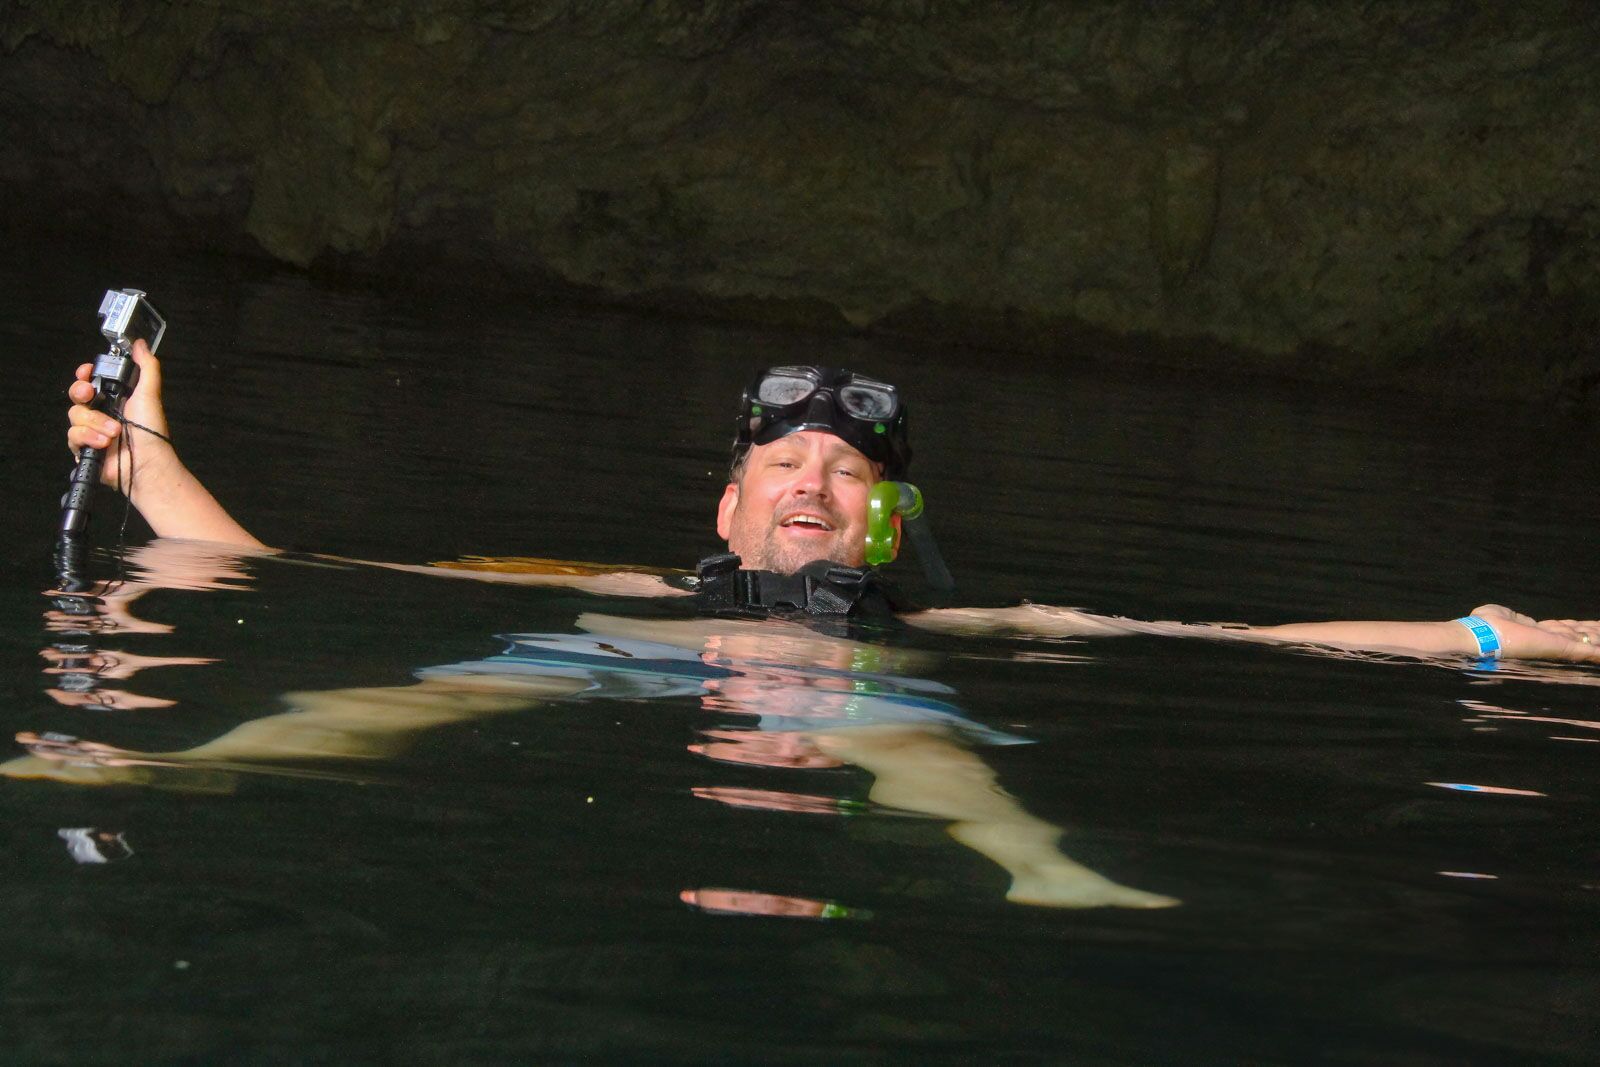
[[888, 499]]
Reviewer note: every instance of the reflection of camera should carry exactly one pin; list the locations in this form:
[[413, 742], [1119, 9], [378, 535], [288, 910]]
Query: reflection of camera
[[126, 316], [89, 844]]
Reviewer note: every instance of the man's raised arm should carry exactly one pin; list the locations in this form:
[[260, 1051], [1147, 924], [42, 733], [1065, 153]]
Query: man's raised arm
[[170, 498], [175, 504]]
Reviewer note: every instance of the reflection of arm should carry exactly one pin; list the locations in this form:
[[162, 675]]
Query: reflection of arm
[[1520, 636]]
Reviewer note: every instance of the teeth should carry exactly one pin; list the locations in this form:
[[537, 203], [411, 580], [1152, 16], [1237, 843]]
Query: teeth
[[807, 520]]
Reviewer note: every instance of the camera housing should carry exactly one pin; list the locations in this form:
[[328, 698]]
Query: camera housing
[[126, 316]]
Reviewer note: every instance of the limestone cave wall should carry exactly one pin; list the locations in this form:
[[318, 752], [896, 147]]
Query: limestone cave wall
[[1370, 185]]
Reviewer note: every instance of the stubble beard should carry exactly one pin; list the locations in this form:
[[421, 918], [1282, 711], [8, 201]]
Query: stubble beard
[[771, 553]]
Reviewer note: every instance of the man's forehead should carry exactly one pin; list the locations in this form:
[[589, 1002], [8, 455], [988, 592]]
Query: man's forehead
[[806, 440]]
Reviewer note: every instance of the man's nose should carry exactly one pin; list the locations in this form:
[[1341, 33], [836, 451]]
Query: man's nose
[[811, 479]]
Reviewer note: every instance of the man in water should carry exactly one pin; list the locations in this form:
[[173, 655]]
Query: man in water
[[811, 444]]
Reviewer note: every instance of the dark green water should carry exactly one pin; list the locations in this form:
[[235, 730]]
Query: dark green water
[[507, 888]]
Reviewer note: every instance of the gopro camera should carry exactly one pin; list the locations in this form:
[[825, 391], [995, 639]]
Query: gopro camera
[[125, 317]]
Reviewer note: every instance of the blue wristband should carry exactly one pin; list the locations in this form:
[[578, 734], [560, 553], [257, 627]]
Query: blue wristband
[[1488, 640]]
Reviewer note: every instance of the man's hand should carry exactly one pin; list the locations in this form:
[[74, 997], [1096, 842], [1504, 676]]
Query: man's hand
[[147, 468], [99, 430], [1521, 637]]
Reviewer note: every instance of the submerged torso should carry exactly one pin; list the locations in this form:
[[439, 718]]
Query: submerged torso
[[785, 675]]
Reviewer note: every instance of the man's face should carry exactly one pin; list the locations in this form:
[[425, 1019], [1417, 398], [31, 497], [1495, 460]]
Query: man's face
[[801, 498]]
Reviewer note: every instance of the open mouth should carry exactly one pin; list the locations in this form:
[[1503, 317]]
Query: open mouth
[[809, 523]]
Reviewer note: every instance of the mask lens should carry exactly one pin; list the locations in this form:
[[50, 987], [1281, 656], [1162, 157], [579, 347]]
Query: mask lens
[[869, 401], [784, 386]]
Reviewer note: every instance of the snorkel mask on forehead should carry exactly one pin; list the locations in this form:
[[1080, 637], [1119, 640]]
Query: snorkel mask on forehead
[[865, 413]]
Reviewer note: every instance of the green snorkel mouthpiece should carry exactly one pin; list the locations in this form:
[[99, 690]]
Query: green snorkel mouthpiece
[[885, 501]]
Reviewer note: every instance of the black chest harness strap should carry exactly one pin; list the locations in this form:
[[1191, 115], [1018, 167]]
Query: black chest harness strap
[[821, 588]]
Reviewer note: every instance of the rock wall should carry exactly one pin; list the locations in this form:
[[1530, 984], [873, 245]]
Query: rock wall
[[1373, 185]]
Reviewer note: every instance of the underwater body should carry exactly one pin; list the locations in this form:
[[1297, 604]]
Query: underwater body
[[1372, 857]]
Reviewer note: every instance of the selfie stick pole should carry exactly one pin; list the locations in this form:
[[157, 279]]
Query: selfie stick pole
[[125, 317]]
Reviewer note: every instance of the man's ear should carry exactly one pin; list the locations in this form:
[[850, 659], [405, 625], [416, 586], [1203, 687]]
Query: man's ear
[[899, 528], [730, 500]]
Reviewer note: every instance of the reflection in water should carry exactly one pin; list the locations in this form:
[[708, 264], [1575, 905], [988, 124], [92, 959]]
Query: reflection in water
[[86, 844], [1465, 787], [1585, 724], [747, 902], [64, 758], [803, 700], [791, 750], [81, 668], [774, 799], [120, 699]]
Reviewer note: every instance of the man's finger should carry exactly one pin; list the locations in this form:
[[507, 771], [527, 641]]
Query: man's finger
[[79, 436], [89, 418], [90, 427], [149, 366]]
